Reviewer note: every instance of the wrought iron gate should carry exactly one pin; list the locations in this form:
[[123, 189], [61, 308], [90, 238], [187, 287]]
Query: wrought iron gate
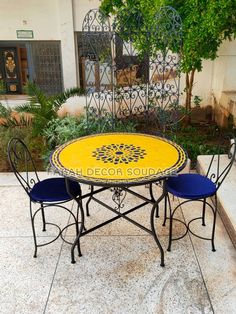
[[132, 73]]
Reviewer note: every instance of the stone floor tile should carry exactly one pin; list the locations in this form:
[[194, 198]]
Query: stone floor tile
[[121, 274], [120, 269], [218, 267], [15, 214], [25, 281]]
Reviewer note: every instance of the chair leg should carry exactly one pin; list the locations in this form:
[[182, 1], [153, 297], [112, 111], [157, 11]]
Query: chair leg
[[214, 225], [33, 229], [170, 228], [204, 212], [80, 230], [43, 217]]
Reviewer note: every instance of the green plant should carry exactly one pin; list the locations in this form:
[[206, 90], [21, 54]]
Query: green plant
[[61, 130], [9, 119], [199, 142], [2, 87], [105, 55], [197, 100], [5, 112], [36, 145], [44, 107]]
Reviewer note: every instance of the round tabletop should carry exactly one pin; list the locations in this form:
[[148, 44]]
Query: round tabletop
[[116, 159]]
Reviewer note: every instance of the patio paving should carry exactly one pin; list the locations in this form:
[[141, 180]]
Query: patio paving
[[120, 269]]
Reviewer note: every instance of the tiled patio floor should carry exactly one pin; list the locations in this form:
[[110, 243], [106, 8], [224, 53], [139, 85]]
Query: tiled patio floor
[[120, 269]]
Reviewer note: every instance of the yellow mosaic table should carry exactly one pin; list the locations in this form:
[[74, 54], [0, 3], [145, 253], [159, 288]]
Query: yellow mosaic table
[[116, 159]]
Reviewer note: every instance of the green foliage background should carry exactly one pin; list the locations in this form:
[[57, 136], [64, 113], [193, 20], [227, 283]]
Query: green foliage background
[[206, 24]]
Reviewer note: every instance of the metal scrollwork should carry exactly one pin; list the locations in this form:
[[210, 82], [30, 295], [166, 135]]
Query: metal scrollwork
[[22, 164], [120, 81], [118, 197], [215, 172]]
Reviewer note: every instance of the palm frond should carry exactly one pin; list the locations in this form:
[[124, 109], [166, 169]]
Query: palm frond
[[27, 107], [37, 95], [59, 99], [5, 111], [12, 121]]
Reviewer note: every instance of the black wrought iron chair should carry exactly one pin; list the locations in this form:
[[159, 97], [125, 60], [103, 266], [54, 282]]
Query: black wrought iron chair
[[46, 193], [196, 187]]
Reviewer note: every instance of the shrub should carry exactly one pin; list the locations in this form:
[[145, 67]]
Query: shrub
[[199, 140], [36, 145], [44, 107], [61, 130]]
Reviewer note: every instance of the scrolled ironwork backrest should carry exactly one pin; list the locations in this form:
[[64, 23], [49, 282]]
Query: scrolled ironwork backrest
[[22, 164], [214, 172]]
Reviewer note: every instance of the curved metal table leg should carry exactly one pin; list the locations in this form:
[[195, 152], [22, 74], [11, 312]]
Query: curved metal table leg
[[165, 211], [153, 199], [89, 200], [152, 219]]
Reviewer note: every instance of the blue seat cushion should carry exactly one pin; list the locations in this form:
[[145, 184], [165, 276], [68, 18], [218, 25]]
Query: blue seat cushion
[[191, 186], [53, 190]]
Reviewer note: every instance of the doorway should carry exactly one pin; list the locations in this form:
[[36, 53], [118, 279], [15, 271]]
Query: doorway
[[35, 61], [13, 69]]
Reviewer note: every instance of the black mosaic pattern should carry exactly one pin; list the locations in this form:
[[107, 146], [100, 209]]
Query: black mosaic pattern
[[119, 153]]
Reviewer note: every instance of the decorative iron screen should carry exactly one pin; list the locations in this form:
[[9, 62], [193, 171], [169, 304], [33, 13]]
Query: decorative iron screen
[[46, 61], [123, 80]]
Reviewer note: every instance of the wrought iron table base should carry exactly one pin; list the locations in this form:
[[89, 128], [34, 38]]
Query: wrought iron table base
[[119, 199]]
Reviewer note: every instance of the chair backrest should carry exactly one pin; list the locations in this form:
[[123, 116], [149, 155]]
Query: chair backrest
[[215, 171], [22, 164]]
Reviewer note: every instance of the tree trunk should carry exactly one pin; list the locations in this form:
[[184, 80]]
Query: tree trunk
[[188, 91]]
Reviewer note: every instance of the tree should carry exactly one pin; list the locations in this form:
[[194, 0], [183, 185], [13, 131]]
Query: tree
[[206, 24]]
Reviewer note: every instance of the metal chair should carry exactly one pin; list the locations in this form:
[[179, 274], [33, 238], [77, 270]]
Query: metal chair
[[45, 193], [196, 187]]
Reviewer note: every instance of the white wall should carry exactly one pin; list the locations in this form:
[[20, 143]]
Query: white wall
[[40, 16], [69, 65], [202, 84], [216, 76], [224, 78], [81, 8]]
